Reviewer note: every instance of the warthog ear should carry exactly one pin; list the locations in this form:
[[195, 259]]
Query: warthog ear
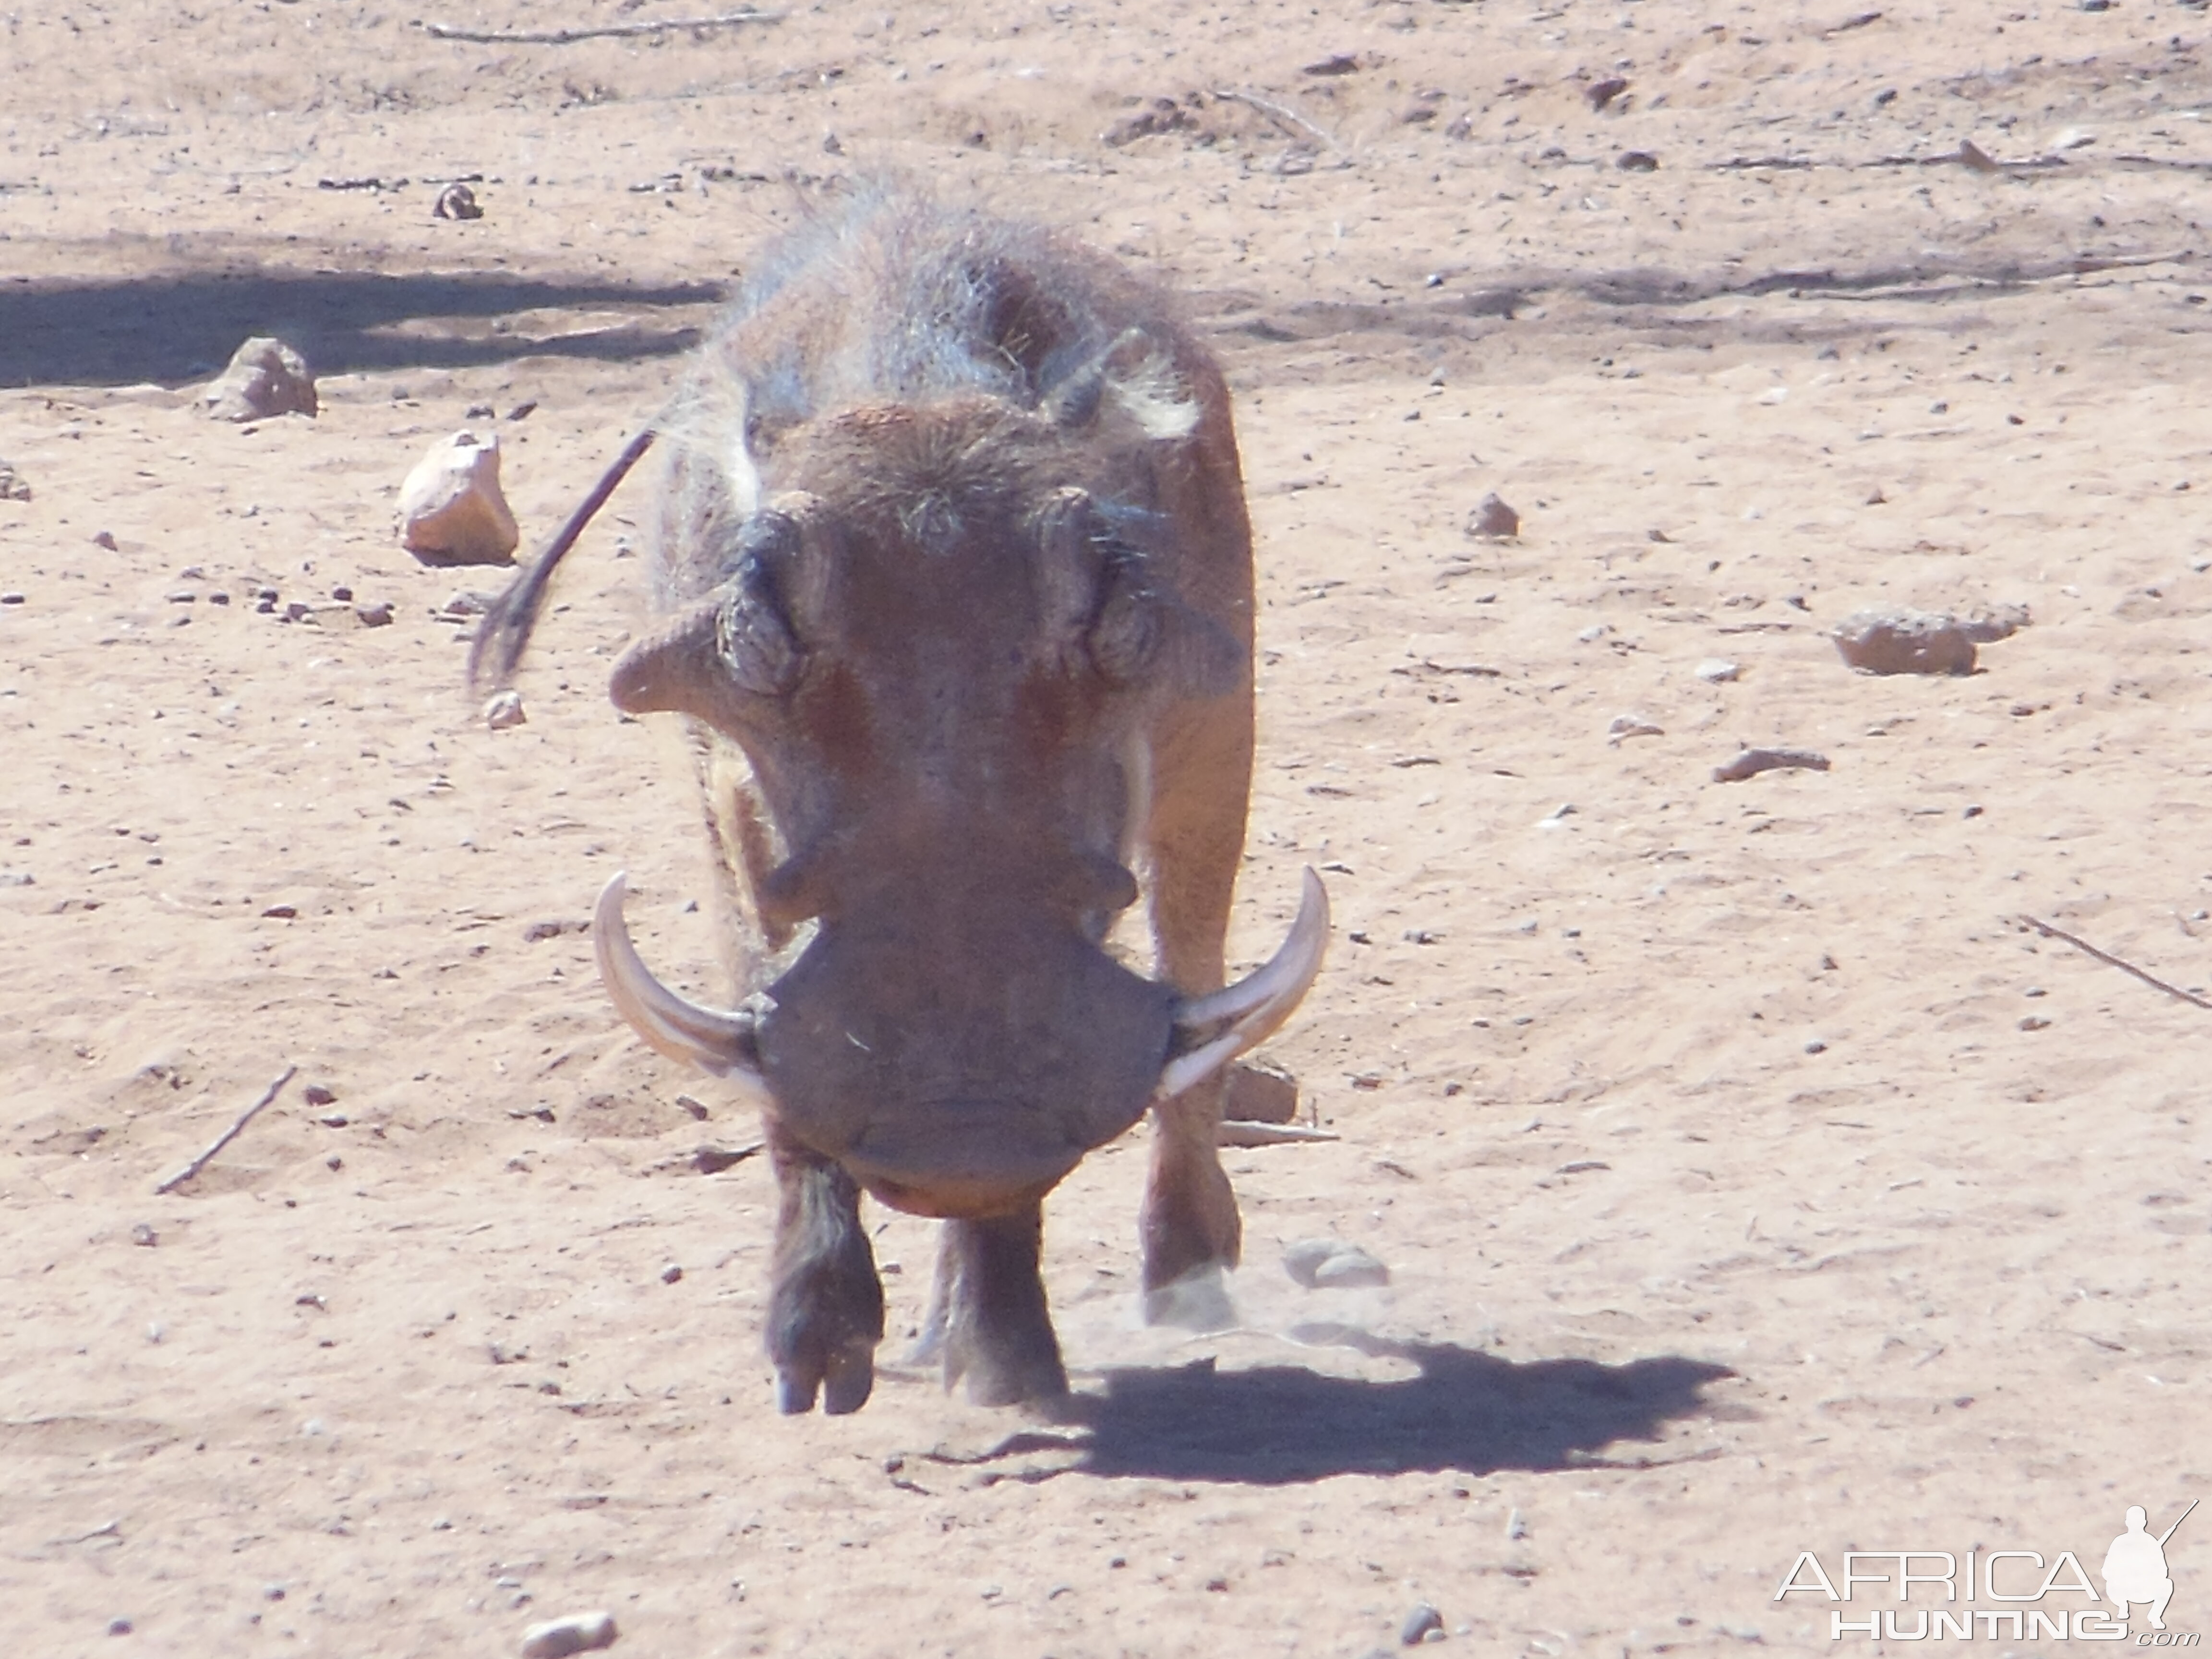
[[1096, 591], [747, 634]]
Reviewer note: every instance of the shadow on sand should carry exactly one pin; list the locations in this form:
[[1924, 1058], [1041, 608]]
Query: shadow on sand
[[179, 328], [1464, 1410]]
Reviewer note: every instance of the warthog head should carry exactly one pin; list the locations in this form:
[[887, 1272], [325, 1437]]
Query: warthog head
[[936, 653]]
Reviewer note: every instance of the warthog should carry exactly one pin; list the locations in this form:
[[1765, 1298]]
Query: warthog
[[956, 586]]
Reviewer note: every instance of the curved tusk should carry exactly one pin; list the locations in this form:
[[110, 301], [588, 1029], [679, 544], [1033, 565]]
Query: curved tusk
[[1213, 1030], [716, 1040]]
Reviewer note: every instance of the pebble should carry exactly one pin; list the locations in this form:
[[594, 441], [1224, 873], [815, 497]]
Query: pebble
[[452, 510], [1259, 1094], [1752, 761], [1905, 642], [503, 710], [1492, 517], [456, 201], [104, 538], [264, 377], [144, 1236], [375, 614], [13, 486], [1630, 726], [1423, 1623], [11, 597], [579, 1632], [1330, 1264], [1636, 161], [318, 1094], [672, 1273], [1718, 671], [119, 1627]]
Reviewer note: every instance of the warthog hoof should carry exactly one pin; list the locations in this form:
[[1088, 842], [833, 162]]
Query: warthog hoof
[[990, 1319], [1198, 1301], [845, 1380]]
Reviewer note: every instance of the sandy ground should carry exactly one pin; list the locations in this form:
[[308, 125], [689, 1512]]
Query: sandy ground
[[1752, 1181]]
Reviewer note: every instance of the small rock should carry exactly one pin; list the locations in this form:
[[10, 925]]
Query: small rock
[[1752, 761], [579, 1632], [317, 1094], [1493, 517], [1905, 642], [1636, 161], [13, 487], [1418, 1624], [1259, 1094], [1986, 623], [17, 878], [281, 912], [451, 508], [104, 538], [332, 1120], [265, 377], [1332, 1264], [503, 710], [1516, 1528], [696, 1109], [344, 595], [375, 614], [539, 931], [1718, 671], [144, 1236], [1341, 63], [1349, 1268], [1630, 726], [119, 1627], [11, 597], [2035, 1023], [456, 202], [1606, 91], [672, 1274]]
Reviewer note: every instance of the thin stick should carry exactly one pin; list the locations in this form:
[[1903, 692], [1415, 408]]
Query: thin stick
[[562, 37], [1282, 114], [2106, 956], [229, 1135], [1234, 1132]]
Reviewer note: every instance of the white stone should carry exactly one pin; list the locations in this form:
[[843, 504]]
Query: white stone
[[451, 508]]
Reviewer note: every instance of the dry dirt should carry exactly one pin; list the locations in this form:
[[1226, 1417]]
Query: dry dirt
[[1752, 1181]]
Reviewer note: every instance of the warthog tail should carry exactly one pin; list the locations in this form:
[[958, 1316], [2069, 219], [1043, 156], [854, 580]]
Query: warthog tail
[[504, 633]]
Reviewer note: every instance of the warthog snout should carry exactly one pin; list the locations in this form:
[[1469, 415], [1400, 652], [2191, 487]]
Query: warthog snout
[[879, 1058]]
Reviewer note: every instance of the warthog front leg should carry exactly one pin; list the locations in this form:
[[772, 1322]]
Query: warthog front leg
[[988, 1316], [825, 1311], [1188, 1224]]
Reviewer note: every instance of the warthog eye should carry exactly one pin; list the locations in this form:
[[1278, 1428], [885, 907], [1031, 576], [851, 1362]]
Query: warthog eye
[[753, 632]]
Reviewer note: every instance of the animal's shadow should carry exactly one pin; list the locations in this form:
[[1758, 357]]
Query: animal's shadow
[[1462, 1410], [175, 328]]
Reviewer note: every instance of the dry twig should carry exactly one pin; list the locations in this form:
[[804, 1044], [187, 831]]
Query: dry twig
[[1282, 115], [2106, 956], [562, 37], [229, 1135]]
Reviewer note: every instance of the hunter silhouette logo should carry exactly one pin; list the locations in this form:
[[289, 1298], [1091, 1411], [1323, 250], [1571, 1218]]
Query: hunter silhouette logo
[[2028, 1592], [2134, 1566]]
